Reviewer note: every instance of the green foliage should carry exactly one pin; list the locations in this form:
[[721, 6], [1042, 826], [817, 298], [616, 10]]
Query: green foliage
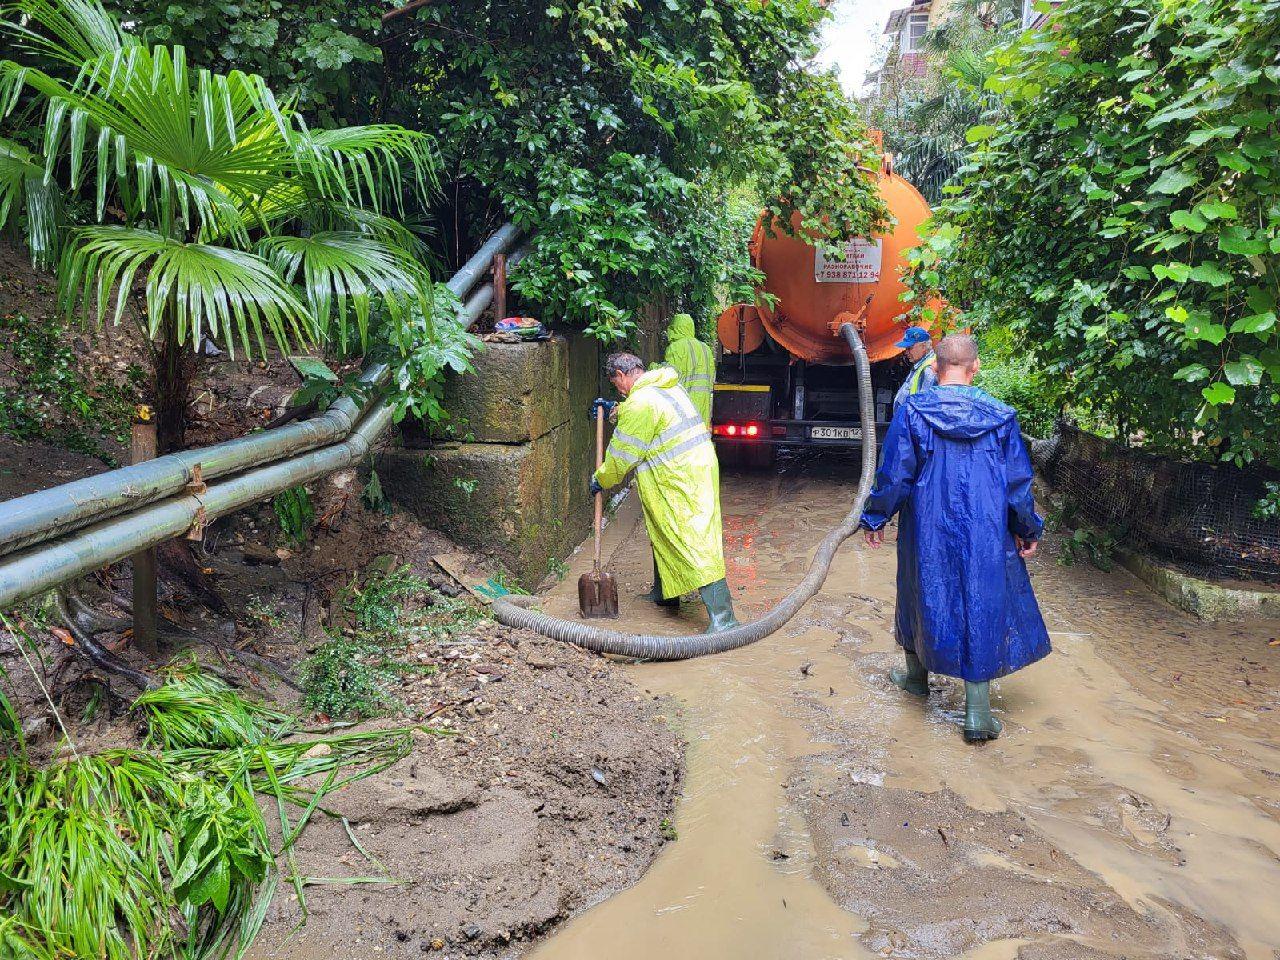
[[667, 830], [164, 853], [373, 497], [1268, 505], [1121, 214], [1008, 375], [424, 360], [615, 133], [622, 135], [349, 679], [48, 395], [240, 219], [321, 53], [295, 514], [195, 709]]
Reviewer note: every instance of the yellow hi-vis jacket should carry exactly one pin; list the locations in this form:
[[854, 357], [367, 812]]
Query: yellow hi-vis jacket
[[660, 435], [694, 361]]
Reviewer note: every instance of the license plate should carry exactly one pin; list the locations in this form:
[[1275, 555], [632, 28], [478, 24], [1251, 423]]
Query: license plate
[[835, 433]]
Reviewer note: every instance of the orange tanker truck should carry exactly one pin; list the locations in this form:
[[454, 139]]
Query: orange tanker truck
[[783, 377]]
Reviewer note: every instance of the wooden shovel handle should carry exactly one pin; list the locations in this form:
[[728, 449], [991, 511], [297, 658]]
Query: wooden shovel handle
[[599, 496]]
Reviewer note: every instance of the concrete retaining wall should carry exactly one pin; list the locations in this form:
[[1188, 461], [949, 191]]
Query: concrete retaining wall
[[517, 489]]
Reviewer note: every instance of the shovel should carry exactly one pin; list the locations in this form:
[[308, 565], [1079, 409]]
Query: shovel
[[597, 590]]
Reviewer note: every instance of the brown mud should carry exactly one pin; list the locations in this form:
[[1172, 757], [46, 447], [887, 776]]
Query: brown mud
[[1131, 808], [546, 793]]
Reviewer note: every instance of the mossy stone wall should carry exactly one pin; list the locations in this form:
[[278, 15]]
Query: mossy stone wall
[[517, 488]]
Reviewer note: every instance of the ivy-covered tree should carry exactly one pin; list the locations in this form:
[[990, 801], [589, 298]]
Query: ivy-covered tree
[[1121, 213]]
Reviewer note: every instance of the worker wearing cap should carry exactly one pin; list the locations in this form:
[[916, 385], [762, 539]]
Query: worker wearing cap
[[919, 350], [661, 436], [694, 361]]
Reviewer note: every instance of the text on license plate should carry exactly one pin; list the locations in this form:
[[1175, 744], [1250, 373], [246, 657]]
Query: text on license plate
[[835, 433]]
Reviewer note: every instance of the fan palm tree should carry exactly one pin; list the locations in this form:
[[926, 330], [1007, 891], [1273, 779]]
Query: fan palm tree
[[214, 206]]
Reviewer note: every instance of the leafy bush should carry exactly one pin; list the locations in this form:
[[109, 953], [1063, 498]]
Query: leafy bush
[[348, 679], [1268, 505], [1119, 213], [1008, 375]]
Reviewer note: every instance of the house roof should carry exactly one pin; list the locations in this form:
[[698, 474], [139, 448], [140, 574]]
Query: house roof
[[897, 18]]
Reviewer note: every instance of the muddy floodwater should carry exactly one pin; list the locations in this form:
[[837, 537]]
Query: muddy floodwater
[[1131, 808]]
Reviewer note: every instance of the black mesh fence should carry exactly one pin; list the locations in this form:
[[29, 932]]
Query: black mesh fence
[[1200, 516]]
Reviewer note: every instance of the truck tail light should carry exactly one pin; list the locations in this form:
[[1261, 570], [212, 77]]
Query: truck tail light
[[745, 431]]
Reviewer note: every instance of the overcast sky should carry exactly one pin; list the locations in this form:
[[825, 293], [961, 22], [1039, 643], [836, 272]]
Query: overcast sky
[[855, 38]]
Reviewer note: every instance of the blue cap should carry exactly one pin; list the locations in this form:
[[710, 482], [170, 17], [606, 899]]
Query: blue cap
[[913, 335]]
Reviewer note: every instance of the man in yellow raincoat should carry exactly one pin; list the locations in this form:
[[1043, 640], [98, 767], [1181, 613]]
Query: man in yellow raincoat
[[661, 436], [694, 361]]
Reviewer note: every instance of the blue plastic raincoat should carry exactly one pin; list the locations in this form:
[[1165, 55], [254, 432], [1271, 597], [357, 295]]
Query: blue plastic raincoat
[[955, 465]]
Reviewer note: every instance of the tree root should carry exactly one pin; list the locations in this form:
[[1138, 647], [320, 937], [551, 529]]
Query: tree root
[[80, 616], [94, 652]]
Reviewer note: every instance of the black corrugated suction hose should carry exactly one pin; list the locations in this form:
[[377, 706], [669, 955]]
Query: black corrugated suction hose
[[683, 648]]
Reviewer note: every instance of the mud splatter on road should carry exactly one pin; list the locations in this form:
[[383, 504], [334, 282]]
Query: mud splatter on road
[[1131, 809]]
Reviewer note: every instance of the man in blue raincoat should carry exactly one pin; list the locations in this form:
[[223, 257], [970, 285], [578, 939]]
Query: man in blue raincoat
[[955, 465]]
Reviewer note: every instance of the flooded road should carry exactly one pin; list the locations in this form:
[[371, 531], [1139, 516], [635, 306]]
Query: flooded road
[[1131, 808]]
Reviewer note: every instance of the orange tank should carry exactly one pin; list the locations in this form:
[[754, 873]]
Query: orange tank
[[813, 290]]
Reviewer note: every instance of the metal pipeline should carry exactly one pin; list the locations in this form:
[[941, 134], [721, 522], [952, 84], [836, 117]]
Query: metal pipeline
[[649, 647], [50, 561], [47, 514], [47, 565]]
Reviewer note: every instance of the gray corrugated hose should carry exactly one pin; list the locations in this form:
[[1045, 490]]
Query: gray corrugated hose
[[682, 648]]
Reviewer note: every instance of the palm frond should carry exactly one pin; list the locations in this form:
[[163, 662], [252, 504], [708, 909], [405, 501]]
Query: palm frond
[[198, 287], [71, 32], [367, 165], [291, 203], [343, 273], [23, 188], [178, 147]]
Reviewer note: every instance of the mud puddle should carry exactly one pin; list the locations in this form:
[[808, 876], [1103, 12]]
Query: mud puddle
[[1132, 808]]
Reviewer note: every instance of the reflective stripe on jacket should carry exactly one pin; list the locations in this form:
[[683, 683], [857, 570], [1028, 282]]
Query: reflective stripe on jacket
[[661, 436], [922, 376], [694, 361]]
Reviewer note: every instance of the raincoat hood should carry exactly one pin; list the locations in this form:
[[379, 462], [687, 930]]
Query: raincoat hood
[[664, 377], [681, 328], [963, 413]]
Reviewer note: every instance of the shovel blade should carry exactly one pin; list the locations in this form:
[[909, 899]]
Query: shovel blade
[[598, 595]]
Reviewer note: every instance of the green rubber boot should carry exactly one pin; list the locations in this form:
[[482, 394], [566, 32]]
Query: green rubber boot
[[655, 594], [979, 724], [914, 679], [719, 606]]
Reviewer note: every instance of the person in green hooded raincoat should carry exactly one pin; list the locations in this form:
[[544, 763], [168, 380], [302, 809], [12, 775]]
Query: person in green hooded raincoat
[[660, 435], [694, 361]]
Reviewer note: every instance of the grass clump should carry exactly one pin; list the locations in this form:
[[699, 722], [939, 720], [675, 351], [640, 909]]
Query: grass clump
[[355, 672], [347, 679], [164, 853], [295, 514]]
